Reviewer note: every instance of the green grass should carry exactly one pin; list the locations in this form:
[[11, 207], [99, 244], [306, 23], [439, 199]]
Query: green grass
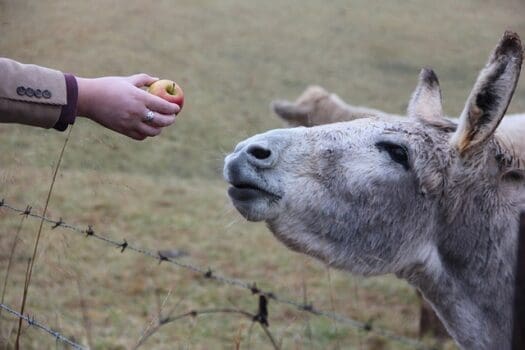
[[232, 58]]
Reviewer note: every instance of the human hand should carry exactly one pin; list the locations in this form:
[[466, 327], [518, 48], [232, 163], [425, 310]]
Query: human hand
[[119, 104]]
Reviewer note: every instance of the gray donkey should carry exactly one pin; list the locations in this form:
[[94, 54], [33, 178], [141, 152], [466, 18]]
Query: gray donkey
[[435, 202]]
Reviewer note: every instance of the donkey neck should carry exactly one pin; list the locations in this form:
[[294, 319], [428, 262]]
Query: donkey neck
[[468, 277]]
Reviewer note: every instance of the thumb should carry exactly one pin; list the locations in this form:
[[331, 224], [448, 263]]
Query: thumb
[[140, 80]]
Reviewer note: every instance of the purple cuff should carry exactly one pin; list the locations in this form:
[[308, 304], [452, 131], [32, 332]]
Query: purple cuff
[[69, 111]]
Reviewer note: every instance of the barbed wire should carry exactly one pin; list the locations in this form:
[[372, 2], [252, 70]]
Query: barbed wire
[[32, 322], [210, 274]]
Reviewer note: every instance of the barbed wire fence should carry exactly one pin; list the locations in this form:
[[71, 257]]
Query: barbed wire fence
[[265, 296]]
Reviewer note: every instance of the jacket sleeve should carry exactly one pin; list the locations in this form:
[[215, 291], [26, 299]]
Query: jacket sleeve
[[35, 95]]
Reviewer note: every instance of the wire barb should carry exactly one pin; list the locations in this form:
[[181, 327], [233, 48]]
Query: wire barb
[[27, 211], [90, 231], [209, 273], [123, 246], [56, 224], [30, 320], [262, 313], [162, 257], [307, 307]]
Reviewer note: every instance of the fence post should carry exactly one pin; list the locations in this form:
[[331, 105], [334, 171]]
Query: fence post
[[518, 337]]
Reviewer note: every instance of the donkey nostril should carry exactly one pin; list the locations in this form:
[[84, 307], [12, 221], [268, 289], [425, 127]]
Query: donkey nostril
[[259, 152]]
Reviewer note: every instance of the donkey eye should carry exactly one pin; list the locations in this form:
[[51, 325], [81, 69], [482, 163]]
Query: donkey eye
[[398, 153]]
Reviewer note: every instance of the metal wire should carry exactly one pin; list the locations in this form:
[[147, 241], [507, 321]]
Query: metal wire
[[212, 275], [32, 322]]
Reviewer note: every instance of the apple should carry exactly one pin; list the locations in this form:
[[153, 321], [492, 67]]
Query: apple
[[168, 90]]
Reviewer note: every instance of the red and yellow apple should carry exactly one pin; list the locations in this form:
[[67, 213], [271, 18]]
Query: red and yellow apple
[[168, 90]]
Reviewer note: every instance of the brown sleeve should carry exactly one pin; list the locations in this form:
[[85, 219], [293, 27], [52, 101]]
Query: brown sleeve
[[31, 94]]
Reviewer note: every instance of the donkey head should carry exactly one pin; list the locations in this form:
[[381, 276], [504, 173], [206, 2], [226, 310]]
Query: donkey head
[[304, 110], [376, 195]]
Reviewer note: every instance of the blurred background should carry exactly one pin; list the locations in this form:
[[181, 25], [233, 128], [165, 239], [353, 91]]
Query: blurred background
[[231, 57]]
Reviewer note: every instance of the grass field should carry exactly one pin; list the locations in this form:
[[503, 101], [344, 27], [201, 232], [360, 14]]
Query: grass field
[[232, 57]]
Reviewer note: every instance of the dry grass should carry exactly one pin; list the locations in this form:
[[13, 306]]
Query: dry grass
[[231, 57], [121, 291]]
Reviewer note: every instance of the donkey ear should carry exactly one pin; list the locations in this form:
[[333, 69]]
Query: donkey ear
[[490, 95], [290, 112], [426, 99]]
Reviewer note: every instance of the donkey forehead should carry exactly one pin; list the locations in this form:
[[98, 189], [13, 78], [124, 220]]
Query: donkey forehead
[[370, 130], [358, 132], [371, 126]]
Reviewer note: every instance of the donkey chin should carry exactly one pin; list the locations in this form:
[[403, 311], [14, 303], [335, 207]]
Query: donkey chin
[[253, 203]]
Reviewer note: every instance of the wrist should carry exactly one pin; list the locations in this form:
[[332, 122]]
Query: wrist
[[85, 88]]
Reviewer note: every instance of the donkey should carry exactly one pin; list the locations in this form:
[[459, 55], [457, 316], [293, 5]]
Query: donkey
[[435, 202], [317, 106]]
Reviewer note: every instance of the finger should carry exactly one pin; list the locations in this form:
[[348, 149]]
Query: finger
[[161, 120], [160, 105], [135, 135], [148, 130], [140, 80]]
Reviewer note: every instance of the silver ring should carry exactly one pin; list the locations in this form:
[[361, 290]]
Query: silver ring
[[148, 118]]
